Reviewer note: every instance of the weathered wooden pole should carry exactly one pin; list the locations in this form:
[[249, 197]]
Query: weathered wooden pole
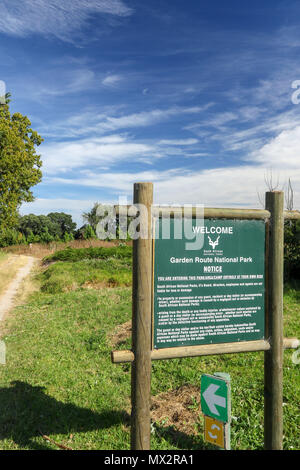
[[141, 320], [205, 350], [274, 324]]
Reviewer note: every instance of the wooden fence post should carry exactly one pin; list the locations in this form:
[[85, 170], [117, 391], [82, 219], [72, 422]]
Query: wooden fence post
[[141, 321], [274, 324]]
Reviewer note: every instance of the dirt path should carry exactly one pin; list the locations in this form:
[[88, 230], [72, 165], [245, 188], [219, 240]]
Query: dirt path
[[8, 297]]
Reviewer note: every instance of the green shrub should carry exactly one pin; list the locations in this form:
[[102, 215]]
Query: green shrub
[[11, 237], [54, 284], [70, 275], [56, 224], [68, 237], [89, 233], [77, 254], [46, 237]]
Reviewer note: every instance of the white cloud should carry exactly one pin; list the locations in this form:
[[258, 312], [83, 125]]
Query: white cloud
[[221, 118], [116, 181], [45, 205], [54, 17], [220, 187], [111, 80], [146, 118], [90, 122], [246, 133], [178, 142], [283, 151], [102, 151], [72, 82]]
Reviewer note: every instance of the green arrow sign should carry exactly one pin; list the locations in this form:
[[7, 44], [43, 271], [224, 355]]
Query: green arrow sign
[[215, 397]]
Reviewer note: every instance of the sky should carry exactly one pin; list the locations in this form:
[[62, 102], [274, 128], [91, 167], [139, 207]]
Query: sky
[[202, 98]]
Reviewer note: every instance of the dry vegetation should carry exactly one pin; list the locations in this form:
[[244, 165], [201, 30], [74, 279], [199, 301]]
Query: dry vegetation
[[40, 250], [178, 409], [121, 334]]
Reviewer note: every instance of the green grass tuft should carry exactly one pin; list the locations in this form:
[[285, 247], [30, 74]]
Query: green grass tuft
[[77, 254], [64, 276]]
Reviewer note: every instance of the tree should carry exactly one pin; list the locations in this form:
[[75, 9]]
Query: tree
[[19, 164], [38, 225], [65, 223], [91, 217], [54, 226]]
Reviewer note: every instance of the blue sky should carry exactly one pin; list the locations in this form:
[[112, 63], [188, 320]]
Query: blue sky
[[195, 96]]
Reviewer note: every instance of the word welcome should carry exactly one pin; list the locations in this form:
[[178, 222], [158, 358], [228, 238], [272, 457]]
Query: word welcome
[[217, 230]]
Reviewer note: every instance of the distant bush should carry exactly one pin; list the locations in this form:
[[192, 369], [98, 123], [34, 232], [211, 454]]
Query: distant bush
[[86, 232], [89, 233], [31, 228], [65, 223], [68, 237], [11, 237], [78, 254], [53, 226]]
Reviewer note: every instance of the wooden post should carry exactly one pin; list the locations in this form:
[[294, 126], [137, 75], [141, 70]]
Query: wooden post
[[141, 321], [274, 324]]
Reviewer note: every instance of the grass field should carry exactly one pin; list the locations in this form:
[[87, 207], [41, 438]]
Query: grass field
[[59, 380]]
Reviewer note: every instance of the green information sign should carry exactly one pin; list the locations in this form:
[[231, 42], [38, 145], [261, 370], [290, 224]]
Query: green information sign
[[215, 397], [212, 289]]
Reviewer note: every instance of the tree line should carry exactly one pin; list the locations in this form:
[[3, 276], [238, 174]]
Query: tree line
[[56, 226]]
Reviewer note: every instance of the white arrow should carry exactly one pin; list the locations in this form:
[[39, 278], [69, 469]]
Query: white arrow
[[212, 399]]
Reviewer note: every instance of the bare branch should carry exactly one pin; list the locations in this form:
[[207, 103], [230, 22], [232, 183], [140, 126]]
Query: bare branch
[[269, 181]]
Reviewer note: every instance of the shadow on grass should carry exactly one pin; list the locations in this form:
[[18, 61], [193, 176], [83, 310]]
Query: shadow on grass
[[182, 440], [26, 412]]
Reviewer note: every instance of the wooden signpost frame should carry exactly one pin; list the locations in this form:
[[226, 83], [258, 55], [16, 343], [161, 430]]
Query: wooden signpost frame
[[142, 354]]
